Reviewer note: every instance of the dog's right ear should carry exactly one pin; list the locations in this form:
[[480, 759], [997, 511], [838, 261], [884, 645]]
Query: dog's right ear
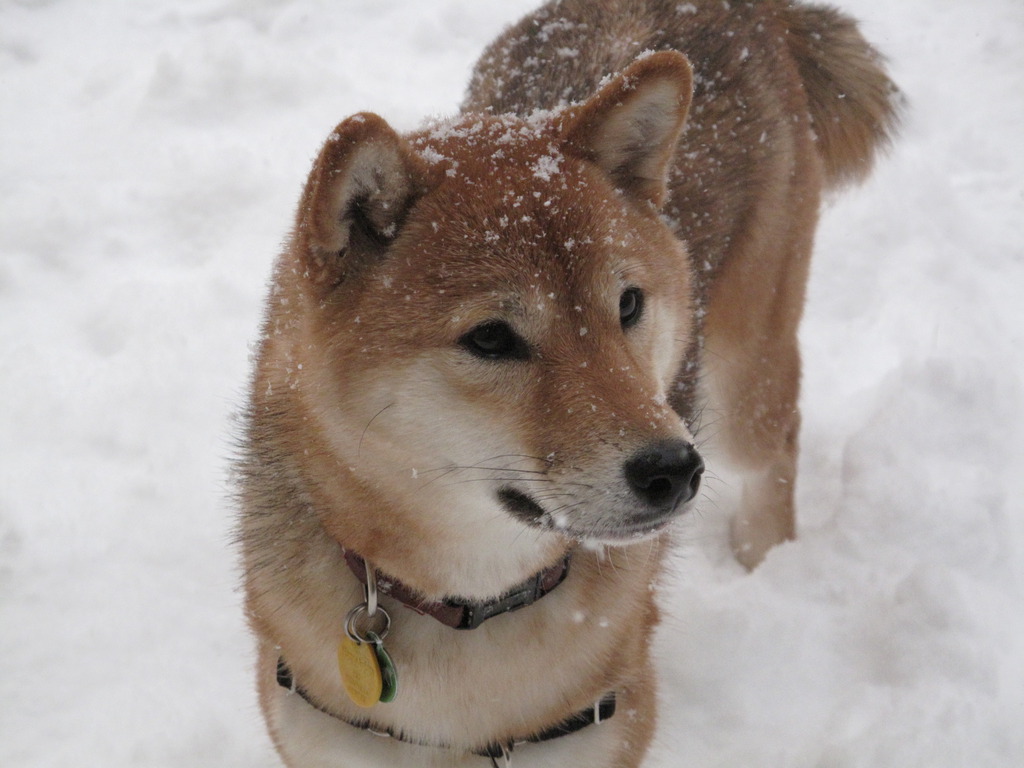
[[630, 127], [362, 185]]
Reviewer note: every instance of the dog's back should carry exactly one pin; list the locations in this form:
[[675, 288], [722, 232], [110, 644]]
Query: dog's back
[[559, 54], [789, 100]]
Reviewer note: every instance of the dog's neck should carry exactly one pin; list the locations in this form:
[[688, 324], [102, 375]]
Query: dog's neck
[[465, 614]]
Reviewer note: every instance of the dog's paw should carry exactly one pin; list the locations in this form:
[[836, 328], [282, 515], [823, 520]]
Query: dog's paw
[[752, 536]]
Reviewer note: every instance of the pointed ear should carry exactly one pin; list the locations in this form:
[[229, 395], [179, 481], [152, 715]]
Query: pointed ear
[[631, 126], [362, 185]]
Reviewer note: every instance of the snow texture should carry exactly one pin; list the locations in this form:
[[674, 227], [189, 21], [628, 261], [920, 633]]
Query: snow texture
[[152, 155]]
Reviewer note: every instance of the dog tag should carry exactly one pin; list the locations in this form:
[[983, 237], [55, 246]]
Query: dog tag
[[360, 672], [388, 673]]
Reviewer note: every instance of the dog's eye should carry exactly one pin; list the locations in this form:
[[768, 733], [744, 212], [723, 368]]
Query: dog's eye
[[631, 307], [495, 341]]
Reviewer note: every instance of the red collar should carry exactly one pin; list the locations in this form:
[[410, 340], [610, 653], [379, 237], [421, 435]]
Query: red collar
[[465, 614]]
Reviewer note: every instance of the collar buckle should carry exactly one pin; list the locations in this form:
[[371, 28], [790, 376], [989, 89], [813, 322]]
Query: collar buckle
[[476, 614]]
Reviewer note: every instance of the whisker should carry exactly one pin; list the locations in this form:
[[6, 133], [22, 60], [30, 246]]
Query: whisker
[[359, 447]]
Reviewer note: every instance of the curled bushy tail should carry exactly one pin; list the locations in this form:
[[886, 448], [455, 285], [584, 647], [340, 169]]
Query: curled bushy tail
[[854, 106]]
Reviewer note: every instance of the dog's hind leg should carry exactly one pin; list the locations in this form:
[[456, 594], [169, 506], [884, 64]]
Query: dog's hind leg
[[753, 450], [751, 381]]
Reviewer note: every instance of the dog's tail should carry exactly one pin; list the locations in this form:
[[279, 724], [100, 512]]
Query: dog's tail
[[854, 106]]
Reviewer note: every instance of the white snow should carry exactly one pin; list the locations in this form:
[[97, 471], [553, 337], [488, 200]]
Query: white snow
[[151, 157]]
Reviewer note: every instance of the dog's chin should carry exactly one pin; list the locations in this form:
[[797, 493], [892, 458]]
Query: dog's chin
[[622, 535], [627, 531]]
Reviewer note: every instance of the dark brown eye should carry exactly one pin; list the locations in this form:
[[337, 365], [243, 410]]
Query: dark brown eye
[[495, 341], [631, 307]]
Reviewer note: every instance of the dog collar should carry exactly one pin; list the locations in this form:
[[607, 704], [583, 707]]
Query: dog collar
[[465, 614], [602, 710]]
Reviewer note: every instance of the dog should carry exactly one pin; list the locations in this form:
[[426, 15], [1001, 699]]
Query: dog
[[486, 350]]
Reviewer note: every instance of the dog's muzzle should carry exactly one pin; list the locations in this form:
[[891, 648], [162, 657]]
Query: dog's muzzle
[[653, 488]]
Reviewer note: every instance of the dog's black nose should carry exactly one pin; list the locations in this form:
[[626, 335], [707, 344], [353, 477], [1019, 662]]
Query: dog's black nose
[[665, 474]]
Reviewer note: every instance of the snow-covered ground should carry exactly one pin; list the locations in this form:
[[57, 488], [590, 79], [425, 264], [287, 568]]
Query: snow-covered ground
[[150, 157]]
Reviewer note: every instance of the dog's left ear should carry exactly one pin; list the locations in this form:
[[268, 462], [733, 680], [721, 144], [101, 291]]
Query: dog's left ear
[[631, 125], [362, 185]]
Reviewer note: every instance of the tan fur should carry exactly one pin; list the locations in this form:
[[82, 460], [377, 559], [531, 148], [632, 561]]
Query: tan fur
[[371, 426]]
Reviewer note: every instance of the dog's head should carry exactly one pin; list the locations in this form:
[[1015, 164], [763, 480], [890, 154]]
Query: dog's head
[[484, 322]]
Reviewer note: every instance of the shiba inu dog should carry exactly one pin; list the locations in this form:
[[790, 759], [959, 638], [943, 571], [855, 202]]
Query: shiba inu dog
[[485, 351]]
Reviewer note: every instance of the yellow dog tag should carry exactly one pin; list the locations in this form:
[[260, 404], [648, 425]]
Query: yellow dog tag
[[360, 672]]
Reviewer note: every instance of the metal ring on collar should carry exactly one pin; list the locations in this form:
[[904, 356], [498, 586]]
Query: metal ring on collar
[[355, 613], [506, 758], [370, 590]]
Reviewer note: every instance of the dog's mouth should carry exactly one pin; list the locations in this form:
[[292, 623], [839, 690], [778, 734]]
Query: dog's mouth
[[525, 509], [522, 507]]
